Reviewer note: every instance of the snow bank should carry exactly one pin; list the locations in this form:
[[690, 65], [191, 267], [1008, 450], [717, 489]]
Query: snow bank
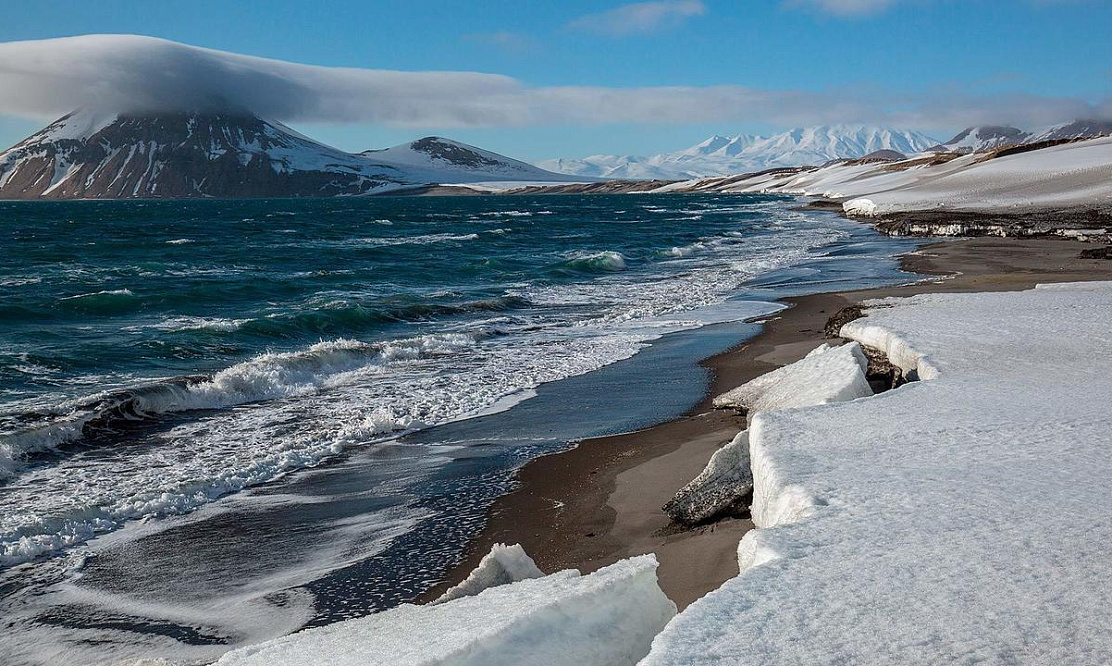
[[964, 519], [606, 618], [826, 375], [501, 566]]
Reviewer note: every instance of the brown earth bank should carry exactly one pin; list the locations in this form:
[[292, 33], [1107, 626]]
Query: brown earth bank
[[600, 502], [1093, 223]]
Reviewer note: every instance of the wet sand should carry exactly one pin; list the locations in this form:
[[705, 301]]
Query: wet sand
[[600, 502]]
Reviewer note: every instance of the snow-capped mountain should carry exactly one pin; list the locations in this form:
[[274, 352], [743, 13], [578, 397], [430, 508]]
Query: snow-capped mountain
[[105, 156], [980, 139], [722, 155], [466, 163]]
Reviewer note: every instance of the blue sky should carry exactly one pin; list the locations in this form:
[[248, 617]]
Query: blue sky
[[963, 54]]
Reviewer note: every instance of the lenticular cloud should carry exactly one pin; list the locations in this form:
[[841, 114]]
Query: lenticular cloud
[[128, 73], [132, 73]]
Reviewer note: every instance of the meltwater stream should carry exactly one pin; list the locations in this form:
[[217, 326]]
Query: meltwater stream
[[223, 421]]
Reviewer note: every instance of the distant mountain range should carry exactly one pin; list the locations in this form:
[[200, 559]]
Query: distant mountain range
[[183, 155], [812, 146], [92, 156], [726, 155]]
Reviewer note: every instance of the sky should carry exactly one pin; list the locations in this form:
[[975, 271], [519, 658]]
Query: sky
[[539, 79]]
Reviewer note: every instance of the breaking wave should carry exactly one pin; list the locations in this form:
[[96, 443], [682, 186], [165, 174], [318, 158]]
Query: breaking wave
[[343, 316], [596, 262], [266, 377], [106, 302]]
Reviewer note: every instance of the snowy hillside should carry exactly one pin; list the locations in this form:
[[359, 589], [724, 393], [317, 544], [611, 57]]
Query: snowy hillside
[[1054, 177], [444, 160], [720, 155], [1073, 174], [88, 155]]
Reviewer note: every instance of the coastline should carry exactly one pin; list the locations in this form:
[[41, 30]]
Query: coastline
[[599, 502]]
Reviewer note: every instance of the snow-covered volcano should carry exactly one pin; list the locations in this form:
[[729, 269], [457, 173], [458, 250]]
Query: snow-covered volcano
[[106, 156], [725, 155]]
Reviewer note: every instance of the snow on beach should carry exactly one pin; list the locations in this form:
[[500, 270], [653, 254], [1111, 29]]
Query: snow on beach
[[958, 519], [828, 374], [825, 375], [607, 619]]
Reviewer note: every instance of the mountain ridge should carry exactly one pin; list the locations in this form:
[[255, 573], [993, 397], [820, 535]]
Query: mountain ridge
[[85, 155], [722, 155], [729, 155]]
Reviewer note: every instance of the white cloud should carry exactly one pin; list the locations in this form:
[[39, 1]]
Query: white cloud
[[129, 74], [852, 8], [640, 18], [847, 7]]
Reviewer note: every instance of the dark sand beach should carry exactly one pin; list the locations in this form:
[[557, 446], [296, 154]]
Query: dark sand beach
[[600, 502]]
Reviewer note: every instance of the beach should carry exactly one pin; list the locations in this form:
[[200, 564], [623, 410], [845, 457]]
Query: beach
[[598, 503]]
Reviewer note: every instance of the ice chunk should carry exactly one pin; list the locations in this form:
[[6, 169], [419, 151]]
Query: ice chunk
[[608, 618], [904, 529], [860, 207], [825, 375], [502, 565], [722, 486]]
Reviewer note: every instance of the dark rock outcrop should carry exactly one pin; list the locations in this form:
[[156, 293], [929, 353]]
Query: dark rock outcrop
[[1097, 253], [722, 490]]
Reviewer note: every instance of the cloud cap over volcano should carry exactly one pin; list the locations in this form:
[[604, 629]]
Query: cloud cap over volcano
[[128, 73]]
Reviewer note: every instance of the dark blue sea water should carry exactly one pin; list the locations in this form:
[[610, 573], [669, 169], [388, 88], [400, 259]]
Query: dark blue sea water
[[222, 421]]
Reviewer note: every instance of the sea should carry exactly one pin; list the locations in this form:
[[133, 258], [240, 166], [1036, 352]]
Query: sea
[[223, 421]]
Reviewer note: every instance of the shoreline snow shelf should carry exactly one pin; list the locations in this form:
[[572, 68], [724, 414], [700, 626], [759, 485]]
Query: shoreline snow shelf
[[607, 618], [960, 519], [827, 374]]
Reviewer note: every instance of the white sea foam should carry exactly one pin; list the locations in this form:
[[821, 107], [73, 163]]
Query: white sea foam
[[420, 239], [265, 377], [20, 281], [253, 610], [513, 213], [105, 292]]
